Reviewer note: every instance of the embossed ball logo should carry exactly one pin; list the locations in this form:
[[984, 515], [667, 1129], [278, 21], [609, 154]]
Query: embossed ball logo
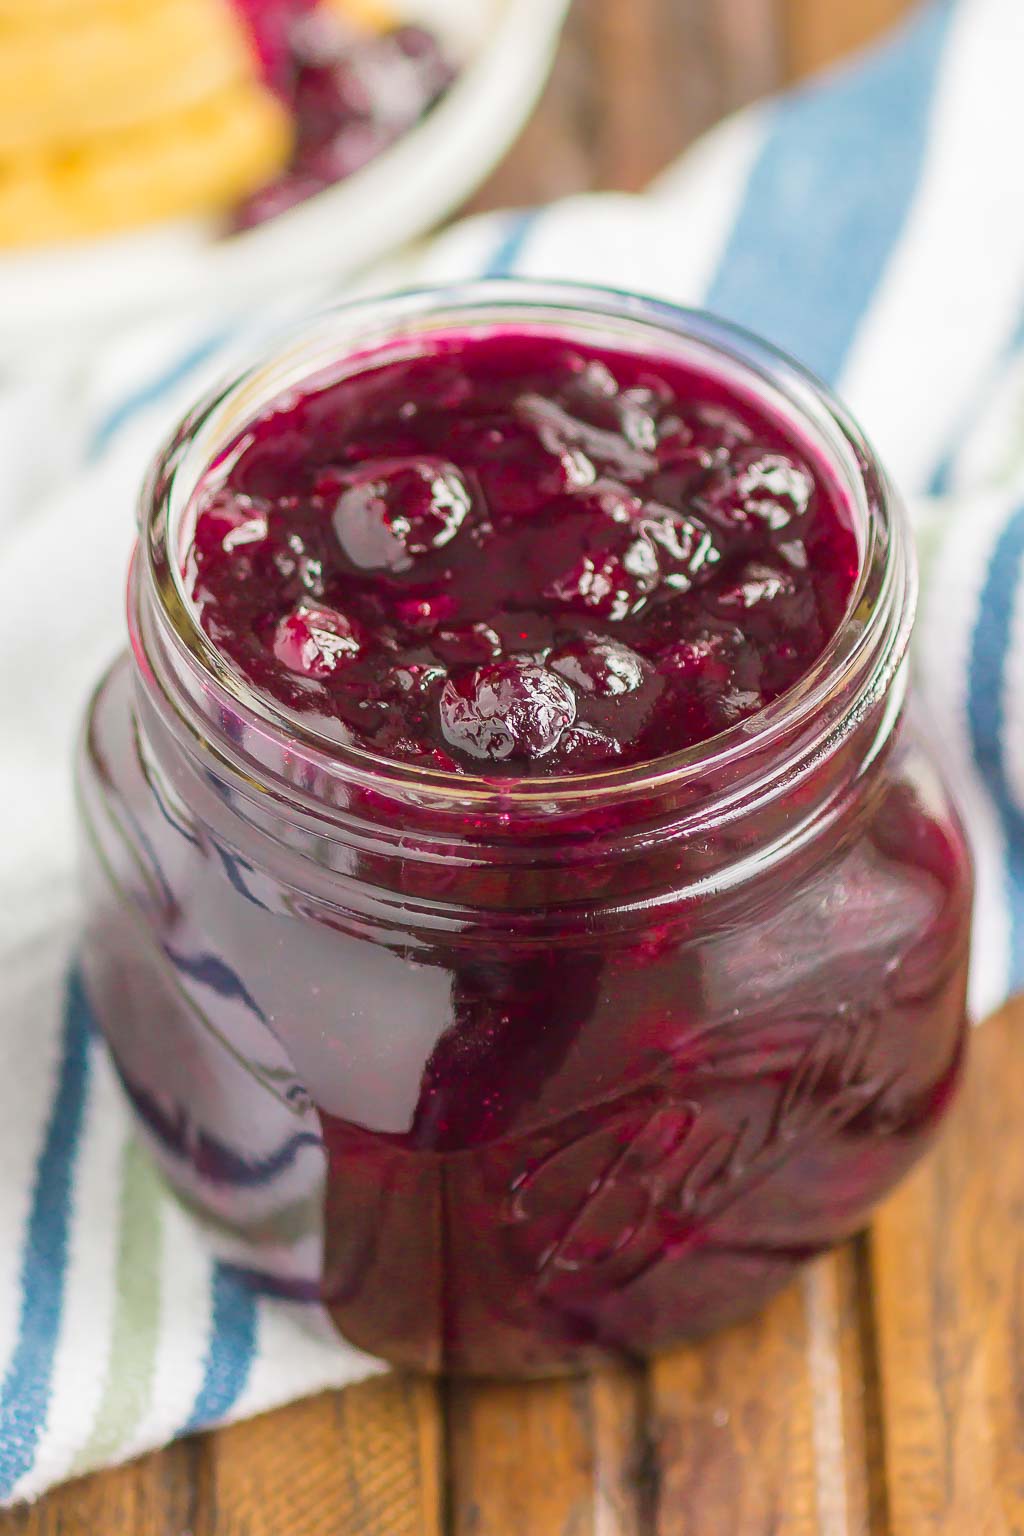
[[652, 1180]]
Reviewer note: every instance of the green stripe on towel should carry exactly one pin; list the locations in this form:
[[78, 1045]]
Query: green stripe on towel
[[131, 1365]]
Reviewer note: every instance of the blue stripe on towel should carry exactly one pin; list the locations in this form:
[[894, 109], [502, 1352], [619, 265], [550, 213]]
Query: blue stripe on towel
[[152, 392], [515, 231], [828, 197], [986, 694], [234, 1334], [28, 1384]]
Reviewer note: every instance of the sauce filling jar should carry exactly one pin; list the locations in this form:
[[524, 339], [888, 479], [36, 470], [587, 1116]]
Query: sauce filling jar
[[521, 907]]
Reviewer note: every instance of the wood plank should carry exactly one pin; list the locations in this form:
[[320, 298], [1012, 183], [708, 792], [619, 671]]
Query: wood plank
[[549, 1458], [362, 1462], [633, 85], [669, 69], [751, 46], [659, 85], [818, 32], [761, 1429], [948, 1264], [556, 153], [153, 1496]]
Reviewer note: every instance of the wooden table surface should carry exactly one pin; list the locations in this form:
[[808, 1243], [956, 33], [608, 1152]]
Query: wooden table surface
[[882, 1395]]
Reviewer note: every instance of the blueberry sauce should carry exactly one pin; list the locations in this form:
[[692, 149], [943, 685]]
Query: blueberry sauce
[[509, 555]]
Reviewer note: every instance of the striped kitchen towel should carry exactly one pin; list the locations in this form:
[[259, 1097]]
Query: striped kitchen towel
[[872, 224]]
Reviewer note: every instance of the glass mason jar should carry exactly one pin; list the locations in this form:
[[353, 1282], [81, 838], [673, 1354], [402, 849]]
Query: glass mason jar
[[519, 1075]]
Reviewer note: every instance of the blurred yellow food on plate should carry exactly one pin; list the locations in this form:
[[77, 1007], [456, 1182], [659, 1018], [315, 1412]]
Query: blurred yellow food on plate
[[48, 13], [372, 14], [114, 113], [199, 159], [114, 70]]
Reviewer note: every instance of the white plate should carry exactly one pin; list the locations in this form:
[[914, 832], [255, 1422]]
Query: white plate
[[505, 49]]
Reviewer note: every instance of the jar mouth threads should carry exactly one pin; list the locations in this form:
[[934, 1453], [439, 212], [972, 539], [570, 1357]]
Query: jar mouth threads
[[864, 652]]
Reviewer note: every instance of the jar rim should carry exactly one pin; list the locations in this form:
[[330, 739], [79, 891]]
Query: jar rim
[[859, 660]]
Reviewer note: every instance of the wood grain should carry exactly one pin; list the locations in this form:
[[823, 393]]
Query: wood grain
[[947, 1260], [677, 69], [355, 1463], [635, 82], [155, 1496], [556, 153], [761, 1430], [551, 1458]]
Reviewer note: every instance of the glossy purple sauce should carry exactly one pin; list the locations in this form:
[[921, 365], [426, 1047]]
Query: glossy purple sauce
[[511, 555]]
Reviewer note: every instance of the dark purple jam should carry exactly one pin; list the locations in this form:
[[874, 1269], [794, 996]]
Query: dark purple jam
[[513, 555], [519, 1078], [351, 94]]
